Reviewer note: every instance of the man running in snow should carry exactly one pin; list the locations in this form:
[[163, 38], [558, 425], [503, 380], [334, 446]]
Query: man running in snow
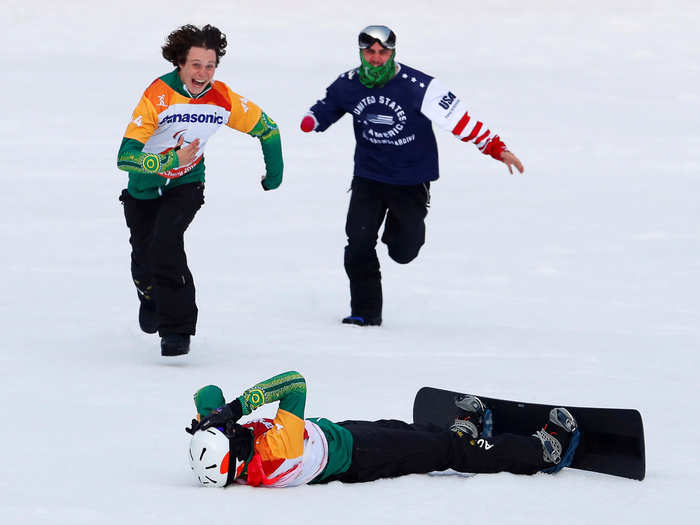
[[289, 450], [163, 152], [393, 108]]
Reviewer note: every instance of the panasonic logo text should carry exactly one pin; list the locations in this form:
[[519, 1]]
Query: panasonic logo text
[[192, 117]]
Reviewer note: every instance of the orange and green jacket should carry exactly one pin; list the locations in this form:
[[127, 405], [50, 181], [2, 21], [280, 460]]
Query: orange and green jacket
[[167, 112], [287, 450]]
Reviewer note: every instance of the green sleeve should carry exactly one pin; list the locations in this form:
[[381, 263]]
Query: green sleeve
[[288, 388], [131, 158], [269, 134]]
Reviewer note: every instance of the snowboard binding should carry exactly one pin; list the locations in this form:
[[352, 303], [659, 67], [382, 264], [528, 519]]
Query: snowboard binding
[[560, 437], [474, 417]]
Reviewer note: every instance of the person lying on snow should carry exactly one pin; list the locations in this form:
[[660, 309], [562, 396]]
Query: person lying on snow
[[289, 450]]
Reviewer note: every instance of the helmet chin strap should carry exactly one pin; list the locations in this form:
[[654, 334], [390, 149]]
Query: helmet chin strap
[[240, 464], [236, 471], [240, 449]]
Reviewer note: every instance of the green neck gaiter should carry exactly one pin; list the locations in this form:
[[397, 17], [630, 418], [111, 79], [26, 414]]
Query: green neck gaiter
[[377, 76]]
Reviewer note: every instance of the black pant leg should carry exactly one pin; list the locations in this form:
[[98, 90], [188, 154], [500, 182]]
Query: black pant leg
[[391, 448], [365, 215], [140, 217], [173, 284], [503, 453], [404, 231]]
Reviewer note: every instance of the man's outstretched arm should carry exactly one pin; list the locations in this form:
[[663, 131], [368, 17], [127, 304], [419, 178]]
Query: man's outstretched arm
[[325, 112], [447, 111]]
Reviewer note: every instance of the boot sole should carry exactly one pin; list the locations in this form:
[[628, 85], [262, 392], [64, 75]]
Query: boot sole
[[175, 352]]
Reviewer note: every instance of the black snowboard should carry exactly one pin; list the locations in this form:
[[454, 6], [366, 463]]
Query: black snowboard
[[612, 439]]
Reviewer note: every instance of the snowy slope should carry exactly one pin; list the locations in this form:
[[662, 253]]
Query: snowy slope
[[577, 282]]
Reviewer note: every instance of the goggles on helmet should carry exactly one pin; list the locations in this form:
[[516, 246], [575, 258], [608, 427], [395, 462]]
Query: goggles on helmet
[[371, 34]]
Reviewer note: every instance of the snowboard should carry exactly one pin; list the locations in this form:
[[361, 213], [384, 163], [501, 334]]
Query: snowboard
[[612, 439]]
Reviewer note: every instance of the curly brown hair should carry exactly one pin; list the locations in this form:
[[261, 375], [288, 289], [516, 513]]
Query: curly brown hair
[[183, 38]]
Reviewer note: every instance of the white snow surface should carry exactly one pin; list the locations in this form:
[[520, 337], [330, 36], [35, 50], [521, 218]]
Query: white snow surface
[[576, 282]]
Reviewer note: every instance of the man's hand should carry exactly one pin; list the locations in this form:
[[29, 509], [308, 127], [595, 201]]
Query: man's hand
[[224, 414], [194, 427], [187, 154], [511, 160], [308, 123], [271, 182]]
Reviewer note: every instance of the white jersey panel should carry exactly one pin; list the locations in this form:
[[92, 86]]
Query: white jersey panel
[[442, 106], [310, 465], [447, 111], [190, 121]]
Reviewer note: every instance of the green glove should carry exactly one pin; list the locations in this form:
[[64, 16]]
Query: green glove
[[271, 182], [207, 399], [267, 131]]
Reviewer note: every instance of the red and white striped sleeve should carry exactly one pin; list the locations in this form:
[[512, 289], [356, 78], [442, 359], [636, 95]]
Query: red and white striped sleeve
[[447, 111]]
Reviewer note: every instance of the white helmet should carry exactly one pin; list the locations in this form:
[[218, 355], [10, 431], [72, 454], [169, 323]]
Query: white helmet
[[209, 458]]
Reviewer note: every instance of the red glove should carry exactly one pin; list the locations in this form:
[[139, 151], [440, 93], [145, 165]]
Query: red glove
[[308, 123], [495, 148]]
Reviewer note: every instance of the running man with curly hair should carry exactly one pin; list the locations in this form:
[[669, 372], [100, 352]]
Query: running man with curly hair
[[163, 152]]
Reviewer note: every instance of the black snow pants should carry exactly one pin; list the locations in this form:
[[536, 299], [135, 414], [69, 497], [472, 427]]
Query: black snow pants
[[158, 260], [405, 209], [389, 448]]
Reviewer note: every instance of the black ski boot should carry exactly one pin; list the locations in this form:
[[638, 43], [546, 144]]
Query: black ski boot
[[359, 320], [559, 437], [474, 419], [174, 344]]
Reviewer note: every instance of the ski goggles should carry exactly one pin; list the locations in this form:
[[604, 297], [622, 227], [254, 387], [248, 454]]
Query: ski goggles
[[371, 34]]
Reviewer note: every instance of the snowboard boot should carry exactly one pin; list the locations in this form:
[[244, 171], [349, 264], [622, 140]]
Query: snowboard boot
[[559, 437], [473, 419], [174, 344], [359, 320]]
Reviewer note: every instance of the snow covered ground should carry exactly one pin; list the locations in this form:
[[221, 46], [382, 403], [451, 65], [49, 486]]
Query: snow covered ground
[[577, 282]]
